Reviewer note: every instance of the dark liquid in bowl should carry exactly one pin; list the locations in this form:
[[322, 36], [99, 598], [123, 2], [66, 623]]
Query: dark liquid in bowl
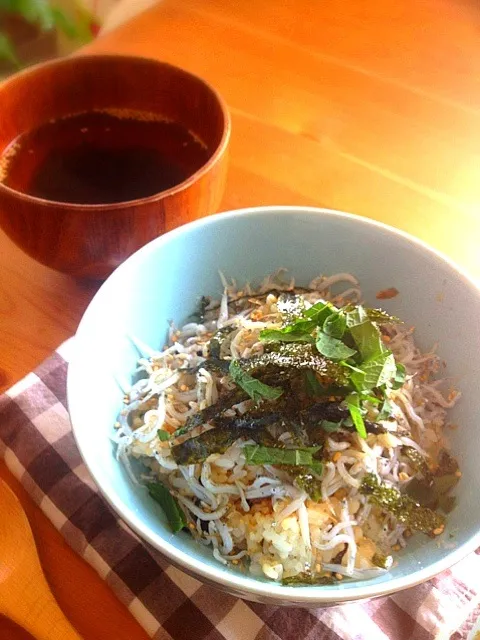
[[101, 157]]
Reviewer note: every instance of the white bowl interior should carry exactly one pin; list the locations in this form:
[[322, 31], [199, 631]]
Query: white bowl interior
[[164, 280]]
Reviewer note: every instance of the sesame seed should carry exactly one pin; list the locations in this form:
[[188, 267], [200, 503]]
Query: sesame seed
[[458, 473], [438, 530], [338, 576], [396, 547], [336, 456]]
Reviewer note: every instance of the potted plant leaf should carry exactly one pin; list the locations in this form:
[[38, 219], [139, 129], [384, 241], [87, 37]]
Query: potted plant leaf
[[29, 31]]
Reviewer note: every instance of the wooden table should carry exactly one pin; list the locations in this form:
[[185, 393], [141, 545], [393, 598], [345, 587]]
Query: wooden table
[[371, 107]]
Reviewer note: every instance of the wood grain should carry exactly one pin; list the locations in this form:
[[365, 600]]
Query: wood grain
[[363, 106], [90, 240], [25, 596], [86, 600]]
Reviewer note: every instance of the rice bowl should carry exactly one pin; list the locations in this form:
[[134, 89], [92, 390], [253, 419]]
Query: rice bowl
[[300, 509], [143, 295]]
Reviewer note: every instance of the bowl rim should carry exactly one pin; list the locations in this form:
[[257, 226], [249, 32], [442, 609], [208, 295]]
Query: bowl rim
[[229, 581], [86, 58]]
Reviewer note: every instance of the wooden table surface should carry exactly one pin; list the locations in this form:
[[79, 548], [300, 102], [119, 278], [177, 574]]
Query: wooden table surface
[[370, 107]]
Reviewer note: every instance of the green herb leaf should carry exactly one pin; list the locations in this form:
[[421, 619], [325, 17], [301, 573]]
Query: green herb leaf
[[386, 410], [388, 370], [375, 372], [7, 51], [317, 466], [257, 454], [36, 12], [256, 390], [331, 427], [175, 515], [364, 333], [333, 348], [357, 378], [300, 329], [64, 23], [355, 316], [163, 436], [318, 312], [335, 325], [353, 404], [312, 385], [399, 378], [367, 339]]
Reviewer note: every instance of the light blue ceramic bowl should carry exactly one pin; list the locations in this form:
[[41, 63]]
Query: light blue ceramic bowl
[[163, 281]]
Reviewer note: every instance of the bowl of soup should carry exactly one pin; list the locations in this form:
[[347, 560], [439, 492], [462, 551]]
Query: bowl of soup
[[101, 154]]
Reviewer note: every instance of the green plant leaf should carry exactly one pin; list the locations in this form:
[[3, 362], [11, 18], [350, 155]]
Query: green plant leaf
[[257, 454], [335, 325], [7, 51], [400, 374], [365, 333], [331, 427], [256, 389], [386, 410], [64, 23], [175, 515], [47, 16], [353, 404], [38, 12], [355, 316], [333, 348], [318, 312], [375, 372]]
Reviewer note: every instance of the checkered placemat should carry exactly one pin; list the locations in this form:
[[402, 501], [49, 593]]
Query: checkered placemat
[[37, 444]]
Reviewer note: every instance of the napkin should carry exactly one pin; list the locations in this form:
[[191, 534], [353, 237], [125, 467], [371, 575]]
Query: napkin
[[37, 444]]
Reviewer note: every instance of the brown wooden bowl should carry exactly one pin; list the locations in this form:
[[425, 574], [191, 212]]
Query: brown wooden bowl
[[91, 240]]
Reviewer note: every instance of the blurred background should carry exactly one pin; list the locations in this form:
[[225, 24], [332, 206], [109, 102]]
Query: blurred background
[[36, 30]]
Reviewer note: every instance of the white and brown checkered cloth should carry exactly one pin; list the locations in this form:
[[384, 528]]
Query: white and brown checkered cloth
[[37, 444]]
